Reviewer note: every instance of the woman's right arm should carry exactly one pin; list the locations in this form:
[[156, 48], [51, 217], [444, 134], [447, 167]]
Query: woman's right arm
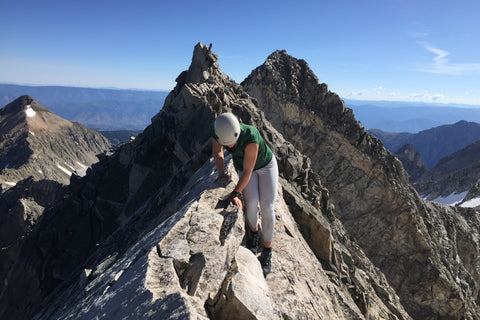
[[217, 151]]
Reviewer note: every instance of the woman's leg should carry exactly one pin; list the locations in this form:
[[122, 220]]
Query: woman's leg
[[250, 195], [267, 187]]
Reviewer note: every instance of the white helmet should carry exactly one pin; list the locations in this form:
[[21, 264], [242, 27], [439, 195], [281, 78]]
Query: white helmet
[[227, 129]]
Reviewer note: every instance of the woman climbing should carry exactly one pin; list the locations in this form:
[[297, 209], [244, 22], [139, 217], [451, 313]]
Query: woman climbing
[[258, 177]]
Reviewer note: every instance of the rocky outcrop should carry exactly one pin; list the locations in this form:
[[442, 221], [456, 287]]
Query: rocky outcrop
[[412, 162], [412, 242], [141, 235]]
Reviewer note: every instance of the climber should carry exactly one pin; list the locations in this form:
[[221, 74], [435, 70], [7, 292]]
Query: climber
[[258, 177]]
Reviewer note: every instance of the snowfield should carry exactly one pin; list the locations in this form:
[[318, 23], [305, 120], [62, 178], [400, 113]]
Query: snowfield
[[30, 112], [451, 200], [64, 170], [472, 203]]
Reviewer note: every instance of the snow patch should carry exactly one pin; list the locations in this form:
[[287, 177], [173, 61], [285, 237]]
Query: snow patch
[[452, 199], [30, 112], [32, 133], [472, 203], [82, 165], [11, 183], [64, 170], [40, 171]]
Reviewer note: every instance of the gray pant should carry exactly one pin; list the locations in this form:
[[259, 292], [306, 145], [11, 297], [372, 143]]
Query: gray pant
[[262, 188]]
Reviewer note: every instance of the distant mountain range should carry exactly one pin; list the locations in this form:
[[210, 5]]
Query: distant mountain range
[[452, 177], [395, 116], [435, 143], [452, 153], [121, 109], [105, 109]]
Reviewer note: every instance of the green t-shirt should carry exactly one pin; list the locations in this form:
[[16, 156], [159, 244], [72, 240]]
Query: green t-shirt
[[249, 134]]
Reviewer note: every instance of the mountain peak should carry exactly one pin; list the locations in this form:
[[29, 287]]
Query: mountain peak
[[204, 67], [22, 108], [36, 142], [17, 105], [293, 79]]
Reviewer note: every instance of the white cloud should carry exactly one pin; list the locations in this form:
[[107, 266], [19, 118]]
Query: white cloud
[[427, 96], [442, 65], [441, 55], [358, 93], [379, 90]]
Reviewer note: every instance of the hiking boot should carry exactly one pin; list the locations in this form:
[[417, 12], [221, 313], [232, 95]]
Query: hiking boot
[[266, 261], [252, 244]]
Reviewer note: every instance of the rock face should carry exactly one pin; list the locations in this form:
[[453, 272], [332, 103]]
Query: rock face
[[414, 243], [412, 162]]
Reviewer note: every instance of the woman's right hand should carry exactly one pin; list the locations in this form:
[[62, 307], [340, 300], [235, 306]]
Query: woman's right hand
[[223, 178], [233, 198]]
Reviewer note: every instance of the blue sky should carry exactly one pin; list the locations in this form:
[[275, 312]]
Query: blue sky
[[378, 50]]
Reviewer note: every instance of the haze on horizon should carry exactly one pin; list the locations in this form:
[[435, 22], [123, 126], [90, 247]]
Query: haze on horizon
[[425, 51]]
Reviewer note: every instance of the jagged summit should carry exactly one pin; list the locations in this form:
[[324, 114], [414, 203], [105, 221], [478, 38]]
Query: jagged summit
[[298, 83], [204, 68]]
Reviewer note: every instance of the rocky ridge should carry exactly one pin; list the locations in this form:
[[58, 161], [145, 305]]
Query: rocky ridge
[[139, 243], [39, 152], [428, 253]]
